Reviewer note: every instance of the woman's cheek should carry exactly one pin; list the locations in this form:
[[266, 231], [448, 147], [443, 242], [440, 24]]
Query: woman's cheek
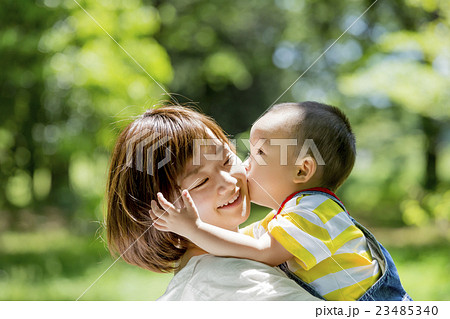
[[201, 206]]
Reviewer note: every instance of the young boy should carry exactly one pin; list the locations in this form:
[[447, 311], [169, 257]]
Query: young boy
[[300, 154]]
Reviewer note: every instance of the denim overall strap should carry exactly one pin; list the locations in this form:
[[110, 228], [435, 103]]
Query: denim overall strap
[[300, 282], [387, 287]]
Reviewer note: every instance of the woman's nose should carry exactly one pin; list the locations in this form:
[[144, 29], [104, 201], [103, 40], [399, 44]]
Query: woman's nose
[[226, 183]]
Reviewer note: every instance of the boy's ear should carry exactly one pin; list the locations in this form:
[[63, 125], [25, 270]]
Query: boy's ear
[[305, 170]]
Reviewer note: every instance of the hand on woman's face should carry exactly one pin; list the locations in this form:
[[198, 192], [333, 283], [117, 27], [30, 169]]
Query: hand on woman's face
[[217, 183]]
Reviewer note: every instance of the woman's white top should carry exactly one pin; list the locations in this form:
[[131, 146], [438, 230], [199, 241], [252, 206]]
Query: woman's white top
[[207, 277]]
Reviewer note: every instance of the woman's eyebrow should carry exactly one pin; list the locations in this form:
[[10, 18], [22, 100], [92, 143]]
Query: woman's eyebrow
[[192, 172], [219, 150]]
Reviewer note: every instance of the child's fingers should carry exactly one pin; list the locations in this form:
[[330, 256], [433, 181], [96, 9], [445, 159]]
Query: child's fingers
[[154, 205], [158, 222], [152, 215], [158, 212], [163, 201], [168, 206], [187, 199], [160, 227], [156, 218]]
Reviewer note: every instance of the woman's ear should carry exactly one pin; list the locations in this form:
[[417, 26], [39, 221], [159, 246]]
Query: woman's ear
[[305, 170]]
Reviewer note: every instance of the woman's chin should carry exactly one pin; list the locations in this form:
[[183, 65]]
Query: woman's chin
[[241, 214], [245, 208]]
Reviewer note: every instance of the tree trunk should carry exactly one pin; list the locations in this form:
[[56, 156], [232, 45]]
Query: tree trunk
[[432, 130]]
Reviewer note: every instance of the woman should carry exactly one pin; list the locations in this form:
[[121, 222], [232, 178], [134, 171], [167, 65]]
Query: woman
[[169, 149]]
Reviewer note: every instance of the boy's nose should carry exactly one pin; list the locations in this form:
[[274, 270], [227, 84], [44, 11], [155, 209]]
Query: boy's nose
[[247, 164]]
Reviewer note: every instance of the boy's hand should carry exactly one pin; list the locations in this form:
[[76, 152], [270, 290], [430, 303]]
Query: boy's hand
[[182, 221]]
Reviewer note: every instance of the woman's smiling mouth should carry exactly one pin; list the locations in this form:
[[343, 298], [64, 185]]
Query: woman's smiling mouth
[[234, 201]]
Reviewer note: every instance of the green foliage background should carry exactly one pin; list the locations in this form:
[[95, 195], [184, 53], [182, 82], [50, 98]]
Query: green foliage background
[[71, 79]]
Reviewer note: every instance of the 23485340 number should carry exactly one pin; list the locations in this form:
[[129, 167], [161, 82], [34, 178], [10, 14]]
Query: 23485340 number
[[406, 310]]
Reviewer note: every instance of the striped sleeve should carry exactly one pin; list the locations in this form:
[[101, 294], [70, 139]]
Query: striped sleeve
[[313, 230], [259, 228]]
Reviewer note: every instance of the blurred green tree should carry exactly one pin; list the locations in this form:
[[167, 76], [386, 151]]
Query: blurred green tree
[[21, 85], [236, 59], [65, 84], [410, 72], [67, 88]]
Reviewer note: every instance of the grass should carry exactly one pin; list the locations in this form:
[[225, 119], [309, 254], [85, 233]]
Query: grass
[[424, 271], [56, 264], [422, 257]]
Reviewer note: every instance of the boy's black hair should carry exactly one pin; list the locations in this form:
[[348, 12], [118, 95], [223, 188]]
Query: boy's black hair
[[331, 132]]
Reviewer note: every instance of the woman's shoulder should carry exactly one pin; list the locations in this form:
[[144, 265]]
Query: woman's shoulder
[[207, 277]]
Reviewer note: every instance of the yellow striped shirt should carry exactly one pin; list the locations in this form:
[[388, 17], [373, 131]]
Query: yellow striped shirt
[[330, 252]]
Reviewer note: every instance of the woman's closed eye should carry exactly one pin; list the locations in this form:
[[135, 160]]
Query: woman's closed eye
[[203, 182], [228, 161]]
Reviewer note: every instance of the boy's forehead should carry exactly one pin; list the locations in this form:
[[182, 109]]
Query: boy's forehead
[[276, 124]]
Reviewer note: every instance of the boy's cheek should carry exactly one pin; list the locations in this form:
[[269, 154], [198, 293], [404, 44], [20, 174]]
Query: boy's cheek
[[255, 193]]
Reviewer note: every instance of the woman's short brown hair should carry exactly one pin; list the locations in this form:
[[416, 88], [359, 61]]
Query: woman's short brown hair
[[138, 171]]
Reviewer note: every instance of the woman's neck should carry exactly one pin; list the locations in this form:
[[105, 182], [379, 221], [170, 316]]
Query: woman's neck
[[190, 252]]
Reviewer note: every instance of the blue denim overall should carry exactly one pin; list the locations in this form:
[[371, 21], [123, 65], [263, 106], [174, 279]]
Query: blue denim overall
[[387, 288]]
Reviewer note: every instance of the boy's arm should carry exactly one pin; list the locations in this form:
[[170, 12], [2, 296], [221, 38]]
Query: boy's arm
[[213, 239], [222, 242]]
